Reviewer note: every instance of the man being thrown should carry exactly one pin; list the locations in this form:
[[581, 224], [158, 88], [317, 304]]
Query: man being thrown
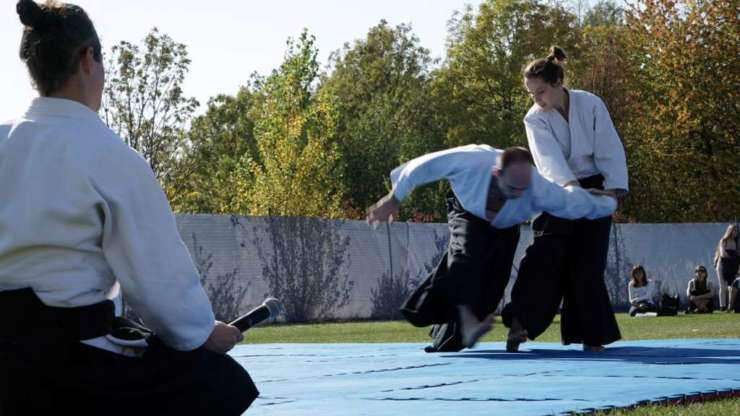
[[492, 192]]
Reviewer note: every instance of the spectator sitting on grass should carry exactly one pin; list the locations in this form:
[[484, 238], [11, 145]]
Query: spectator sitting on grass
[[641, 292], [700, 292]]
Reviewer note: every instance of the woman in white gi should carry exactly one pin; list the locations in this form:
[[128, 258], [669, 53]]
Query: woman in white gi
[[493, 191], [573, 142], [81, 214]]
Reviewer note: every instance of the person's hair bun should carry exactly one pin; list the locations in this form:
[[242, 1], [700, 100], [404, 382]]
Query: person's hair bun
[[30, 13], [556, 54]]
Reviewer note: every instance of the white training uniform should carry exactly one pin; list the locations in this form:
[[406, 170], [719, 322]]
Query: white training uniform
[[80, 212], [468, 170], [585, 145]]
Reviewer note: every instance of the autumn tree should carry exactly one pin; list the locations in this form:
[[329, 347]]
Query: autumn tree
[[684, 56]]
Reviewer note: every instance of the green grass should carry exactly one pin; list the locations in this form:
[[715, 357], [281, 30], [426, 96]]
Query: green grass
[[725, 407], [717, 325]]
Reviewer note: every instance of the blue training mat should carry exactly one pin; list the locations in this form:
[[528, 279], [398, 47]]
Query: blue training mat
[[542, 379]]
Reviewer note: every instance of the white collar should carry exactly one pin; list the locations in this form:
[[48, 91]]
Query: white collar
[[60, 107]]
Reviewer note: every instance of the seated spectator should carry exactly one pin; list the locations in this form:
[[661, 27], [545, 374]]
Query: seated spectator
[[700, 293], [641, 292]]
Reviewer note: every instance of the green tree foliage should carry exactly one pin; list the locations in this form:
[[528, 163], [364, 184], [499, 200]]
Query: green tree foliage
[[479, 90], [605, 13], [298, 170], [215, 176], [143, 100], [300, 142], [381, 85]]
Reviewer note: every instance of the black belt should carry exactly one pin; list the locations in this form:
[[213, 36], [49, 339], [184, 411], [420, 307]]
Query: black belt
[[592, 182], [23, 313]]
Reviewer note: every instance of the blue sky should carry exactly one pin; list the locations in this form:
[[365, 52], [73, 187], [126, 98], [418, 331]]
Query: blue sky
[[229, 39]]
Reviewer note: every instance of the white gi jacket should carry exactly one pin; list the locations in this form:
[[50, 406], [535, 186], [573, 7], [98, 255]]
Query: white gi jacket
[[469, 169], [586, 145], [80, 211]]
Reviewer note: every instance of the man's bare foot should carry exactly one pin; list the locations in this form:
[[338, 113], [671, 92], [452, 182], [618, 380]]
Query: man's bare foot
[[517, 335], [593, 348], [471, 328]]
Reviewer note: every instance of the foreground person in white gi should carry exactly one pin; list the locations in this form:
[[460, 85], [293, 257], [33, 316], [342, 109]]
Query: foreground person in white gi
[[493, 191], [81, 214]]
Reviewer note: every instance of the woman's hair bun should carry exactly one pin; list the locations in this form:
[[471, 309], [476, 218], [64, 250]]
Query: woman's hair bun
[[556, 54], [30, 13]]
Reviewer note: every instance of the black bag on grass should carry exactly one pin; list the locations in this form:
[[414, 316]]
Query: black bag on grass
[[668, 305]]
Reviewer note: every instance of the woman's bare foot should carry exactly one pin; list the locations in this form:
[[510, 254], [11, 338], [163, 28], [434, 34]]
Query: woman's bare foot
[[517, 335], [471, 328]]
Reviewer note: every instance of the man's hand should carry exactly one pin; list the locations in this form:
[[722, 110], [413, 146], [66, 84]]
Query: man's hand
[[223, 338], [618, 194], [385, 210]]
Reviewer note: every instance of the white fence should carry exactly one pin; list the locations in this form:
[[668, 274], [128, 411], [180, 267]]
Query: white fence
[[326, 269]]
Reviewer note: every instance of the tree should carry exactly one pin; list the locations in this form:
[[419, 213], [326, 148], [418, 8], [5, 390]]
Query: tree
[[143, 100], [479, 92], [605, 13], [214, 175], [298, 170], [684, 84], [383, 117], [602, 67]]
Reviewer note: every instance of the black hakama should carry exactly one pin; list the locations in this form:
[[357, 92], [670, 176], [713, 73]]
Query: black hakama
[[45, 369], [566, 262], [474, 271]]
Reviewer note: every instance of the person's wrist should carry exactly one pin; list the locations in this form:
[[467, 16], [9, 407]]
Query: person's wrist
[[392, 202], [617, 192]]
